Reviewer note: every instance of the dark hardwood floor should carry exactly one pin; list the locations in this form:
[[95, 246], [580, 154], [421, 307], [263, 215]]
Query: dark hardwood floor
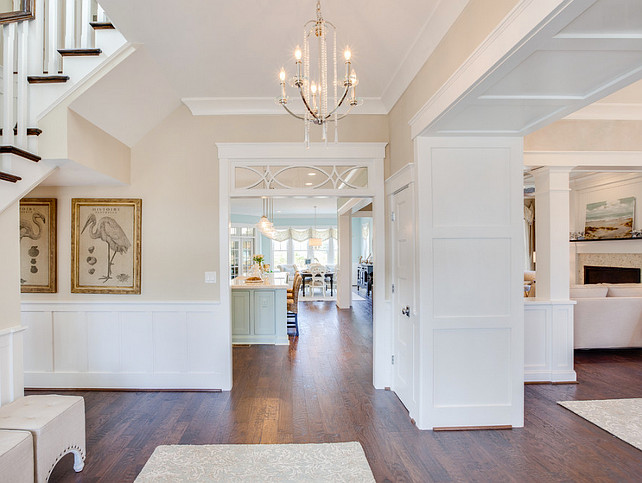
[[319, 390]]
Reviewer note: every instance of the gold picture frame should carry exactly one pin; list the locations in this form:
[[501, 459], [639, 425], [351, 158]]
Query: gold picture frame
[[38, 251], [106, 245]]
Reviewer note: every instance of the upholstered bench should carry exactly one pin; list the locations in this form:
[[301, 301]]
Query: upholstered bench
[[57, 425], [16, 456]]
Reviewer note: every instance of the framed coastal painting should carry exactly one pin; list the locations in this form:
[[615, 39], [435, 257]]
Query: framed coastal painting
[[105, 245], [610, 219], [38, 262]]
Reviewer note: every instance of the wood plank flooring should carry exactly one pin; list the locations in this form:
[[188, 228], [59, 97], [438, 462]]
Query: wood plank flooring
[[319, 390]]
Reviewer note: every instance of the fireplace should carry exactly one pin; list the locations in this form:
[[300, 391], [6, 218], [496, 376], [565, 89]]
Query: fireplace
[[611, 275]]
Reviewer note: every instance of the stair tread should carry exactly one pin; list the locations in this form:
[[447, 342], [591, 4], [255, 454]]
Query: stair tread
[[31, 131], [19, 152], [47, 79], [79, 52], [9, 177], [102, 25]]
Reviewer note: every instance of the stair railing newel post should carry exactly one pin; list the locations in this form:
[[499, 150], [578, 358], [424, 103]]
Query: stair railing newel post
[[22, 111]]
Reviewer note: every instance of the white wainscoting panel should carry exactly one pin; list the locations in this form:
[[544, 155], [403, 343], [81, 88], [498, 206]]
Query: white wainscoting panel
[[11, 364], [470, 279], [118, 345], [548, 341]]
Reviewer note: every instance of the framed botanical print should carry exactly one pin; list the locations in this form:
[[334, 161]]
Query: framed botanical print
[[105, 245], [38, 262]]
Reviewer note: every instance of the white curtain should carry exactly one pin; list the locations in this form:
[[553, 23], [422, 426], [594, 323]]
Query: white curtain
[[303, 235]]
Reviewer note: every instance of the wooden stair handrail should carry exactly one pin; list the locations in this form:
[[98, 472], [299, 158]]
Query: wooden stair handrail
[[31, 131]]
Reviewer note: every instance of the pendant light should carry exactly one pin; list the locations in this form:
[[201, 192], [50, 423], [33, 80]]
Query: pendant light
[[314, 241]]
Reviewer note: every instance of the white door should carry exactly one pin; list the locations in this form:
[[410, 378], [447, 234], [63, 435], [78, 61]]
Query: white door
[[405, 326]]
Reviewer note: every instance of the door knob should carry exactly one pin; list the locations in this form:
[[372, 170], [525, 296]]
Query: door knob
[[405, 311]]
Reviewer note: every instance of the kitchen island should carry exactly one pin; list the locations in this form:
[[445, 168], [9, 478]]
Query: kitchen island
[[259, 310]]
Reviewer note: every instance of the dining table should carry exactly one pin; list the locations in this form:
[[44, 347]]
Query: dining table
[[306, 275]]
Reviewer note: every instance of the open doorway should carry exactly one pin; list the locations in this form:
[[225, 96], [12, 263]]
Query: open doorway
[[353, 170]]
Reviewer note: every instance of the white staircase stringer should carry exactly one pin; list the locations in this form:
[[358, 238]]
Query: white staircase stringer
[[45, 98], [32, 175]]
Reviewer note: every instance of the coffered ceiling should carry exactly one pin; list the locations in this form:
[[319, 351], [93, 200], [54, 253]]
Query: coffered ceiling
[[583, 51]]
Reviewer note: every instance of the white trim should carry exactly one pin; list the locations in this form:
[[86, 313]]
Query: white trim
[[206, 381], [609, 112], [80, 87], [331, 151], [526, 17], [115, 306], [582, 158], [401, 178], [230, 106], [372, 155]]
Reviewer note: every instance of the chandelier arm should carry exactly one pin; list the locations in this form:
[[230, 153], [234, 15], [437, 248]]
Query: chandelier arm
[[291, 113], [307, 106], [345, 113], [343, 98]]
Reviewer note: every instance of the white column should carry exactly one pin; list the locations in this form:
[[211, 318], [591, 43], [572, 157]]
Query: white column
[[470, 282], [548, 321], [23, 95], [552, 214], [344, 285]]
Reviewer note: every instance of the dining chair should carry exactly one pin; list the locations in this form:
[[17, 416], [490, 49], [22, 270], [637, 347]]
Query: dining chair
[[318, 279], [293, 304]]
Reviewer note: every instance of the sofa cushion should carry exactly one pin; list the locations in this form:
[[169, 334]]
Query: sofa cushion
[[630, 291], [588, 291]]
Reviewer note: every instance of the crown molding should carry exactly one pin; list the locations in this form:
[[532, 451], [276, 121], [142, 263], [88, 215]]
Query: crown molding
[[609, 112], [433, 31], [231, 106], [582, 158]]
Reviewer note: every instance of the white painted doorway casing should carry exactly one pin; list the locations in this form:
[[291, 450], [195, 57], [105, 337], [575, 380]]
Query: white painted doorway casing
[[406, 333], [258, 156]]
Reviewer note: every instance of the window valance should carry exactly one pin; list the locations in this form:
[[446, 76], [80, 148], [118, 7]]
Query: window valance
[[304, 234]]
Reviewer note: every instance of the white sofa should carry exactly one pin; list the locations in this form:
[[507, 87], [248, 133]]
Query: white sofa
[[607, 316]]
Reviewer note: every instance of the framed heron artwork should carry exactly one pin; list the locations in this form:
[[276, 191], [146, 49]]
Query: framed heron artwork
[[38, 262], [105, 245]]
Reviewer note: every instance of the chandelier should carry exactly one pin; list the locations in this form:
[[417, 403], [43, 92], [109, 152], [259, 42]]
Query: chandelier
[[311, 80]]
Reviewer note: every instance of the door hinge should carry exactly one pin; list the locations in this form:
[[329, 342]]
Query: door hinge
[[393, 288], [393, 360], [393, 217]]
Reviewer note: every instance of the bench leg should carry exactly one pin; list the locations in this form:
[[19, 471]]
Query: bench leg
[[79, 464]]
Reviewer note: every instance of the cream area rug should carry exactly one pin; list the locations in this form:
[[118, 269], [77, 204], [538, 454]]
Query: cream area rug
[[257, 462], [620, 417]]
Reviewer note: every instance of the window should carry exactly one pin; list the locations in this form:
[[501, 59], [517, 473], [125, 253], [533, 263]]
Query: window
[[242, 240], [280, 253], [300, 252]]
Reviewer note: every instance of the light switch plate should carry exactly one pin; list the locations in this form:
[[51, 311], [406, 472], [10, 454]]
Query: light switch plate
[[210, 277]]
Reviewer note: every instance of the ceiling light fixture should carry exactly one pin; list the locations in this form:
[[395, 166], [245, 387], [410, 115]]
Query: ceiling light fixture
[[311, 80]]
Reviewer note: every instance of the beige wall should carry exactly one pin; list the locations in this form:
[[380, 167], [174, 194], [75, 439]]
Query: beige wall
[[10, 271], [67, 135], [175, 172], [580, 135], [474, 24]]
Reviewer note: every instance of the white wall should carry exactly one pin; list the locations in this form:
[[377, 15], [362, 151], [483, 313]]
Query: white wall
[[604, 187], [174, 170]]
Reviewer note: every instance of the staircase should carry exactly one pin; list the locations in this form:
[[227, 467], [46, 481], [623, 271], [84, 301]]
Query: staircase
[[67, 47]]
